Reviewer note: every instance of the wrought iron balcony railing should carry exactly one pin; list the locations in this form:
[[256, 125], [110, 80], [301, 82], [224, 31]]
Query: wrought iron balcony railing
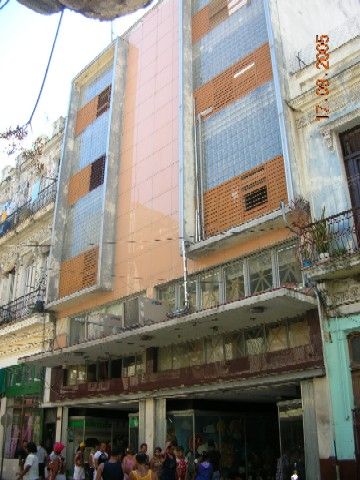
[[21, 307], [332, 237], [46, 196]]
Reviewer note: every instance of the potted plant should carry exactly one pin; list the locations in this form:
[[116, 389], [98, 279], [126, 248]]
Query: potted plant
[[321, 237]]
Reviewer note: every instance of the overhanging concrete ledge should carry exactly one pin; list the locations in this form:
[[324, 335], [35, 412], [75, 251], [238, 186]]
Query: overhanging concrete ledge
[[276, 304]]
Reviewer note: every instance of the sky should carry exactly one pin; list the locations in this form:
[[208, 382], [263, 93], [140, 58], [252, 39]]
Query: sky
[[26, 38]]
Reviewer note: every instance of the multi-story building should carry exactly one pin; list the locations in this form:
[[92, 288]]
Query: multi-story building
[[181, 309], [328, 152], [27, 197]]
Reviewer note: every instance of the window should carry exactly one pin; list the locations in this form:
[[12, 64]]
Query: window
[[214, 349], [196, 352], [209, 288], [234, 282], [131, 312], [116, 367], [299, 334], [191, 286], [180, 356], [97, 173], [166, 296], [354, 349], [289, 267], [91, 372], [133, 365], [103, 101], [165, 359], [260, 269], [75, 375], [277, 338], [103, 369], [234, 346], [255, 342]]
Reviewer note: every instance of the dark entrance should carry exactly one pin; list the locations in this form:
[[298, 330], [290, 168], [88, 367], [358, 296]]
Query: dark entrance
[[350, 142]]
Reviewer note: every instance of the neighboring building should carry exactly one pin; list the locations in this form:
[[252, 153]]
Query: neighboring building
[[181, 310], [328, 153], [27, 196]]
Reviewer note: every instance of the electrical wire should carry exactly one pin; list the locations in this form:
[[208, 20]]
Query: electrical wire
[[4, 5], [46, 70]]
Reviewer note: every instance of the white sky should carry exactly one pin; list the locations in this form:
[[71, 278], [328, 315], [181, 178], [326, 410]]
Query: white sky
[[25, 42]]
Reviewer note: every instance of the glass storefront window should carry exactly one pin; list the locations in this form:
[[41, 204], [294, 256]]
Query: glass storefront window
[[260, 269], [234, 282], [210, 289], [289, 267]]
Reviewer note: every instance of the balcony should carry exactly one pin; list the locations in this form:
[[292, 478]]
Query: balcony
[[45, 197], [329, 247], [22, 307]]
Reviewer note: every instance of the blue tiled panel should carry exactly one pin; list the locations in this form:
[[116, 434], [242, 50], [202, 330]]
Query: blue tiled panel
[[92, 142], [230, 41], [83, 224], [96, 86], [241, 136]]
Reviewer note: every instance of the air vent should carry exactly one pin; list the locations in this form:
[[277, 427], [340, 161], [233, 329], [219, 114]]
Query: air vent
[[255, 198]]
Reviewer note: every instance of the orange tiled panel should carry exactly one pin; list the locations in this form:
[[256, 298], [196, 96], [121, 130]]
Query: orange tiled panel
[[236, 81], [230, 204], [79, 184], [86, 115], [200, 24], [78, 272]]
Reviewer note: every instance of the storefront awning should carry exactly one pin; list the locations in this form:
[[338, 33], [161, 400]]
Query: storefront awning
[[266, 307]]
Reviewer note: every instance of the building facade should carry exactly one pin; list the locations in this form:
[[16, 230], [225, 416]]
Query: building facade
[[182, 310], [27, 197]]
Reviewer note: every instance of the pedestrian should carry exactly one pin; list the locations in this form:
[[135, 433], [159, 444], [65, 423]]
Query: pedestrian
[[79, 464], [21, 453], [128, 463], [168, 470], [31, 465], [56, 465], [214, 458], [142, 470], [91, 463], [143, 449], [181, 466], [100, 456], [42, 457], [204, 470], [111, 470], [157, 461]]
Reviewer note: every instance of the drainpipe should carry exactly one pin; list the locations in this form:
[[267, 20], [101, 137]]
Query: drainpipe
[[185, 309]]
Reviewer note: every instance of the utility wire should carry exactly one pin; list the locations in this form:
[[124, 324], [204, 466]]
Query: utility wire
[[4, 5], [46, 70]]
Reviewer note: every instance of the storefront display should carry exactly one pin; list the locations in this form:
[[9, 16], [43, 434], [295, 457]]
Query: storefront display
[[248, 442]]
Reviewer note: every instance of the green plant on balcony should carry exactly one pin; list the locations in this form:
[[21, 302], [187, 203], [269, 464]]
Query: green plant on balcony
[[321, 234]]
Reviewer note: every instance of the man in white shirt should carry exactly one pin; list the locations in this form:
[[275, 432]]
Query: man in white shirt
[[100, 457], [31, 465]]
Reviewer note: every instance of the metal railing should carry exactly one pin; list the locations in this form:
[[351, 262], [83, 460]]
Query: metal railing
[[331, 237], [46, 196], [21, 307]]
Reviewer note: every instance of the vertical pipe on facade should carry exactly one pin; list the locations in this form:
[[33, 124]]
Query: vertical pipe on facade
[[200, 156], [197, 212], [279, 102], [106, 172], [181, 123]]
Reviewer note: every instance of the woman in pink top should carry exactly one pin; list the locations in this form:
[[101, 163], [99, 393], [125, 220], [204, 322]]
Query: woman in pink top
[[128, 463]]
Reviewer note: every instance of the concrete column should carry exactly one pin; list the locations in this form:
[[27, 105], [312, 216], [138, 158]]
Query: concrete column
[[47, 383], [337, 356], [2, 427], [62, 417], [152, 422], [311, 446]]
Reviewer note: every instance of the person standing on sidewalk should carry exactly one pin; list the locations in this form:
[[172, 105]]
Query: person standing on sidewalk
[[142, 470], [31, 465], [79, 464], [111, 470]]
